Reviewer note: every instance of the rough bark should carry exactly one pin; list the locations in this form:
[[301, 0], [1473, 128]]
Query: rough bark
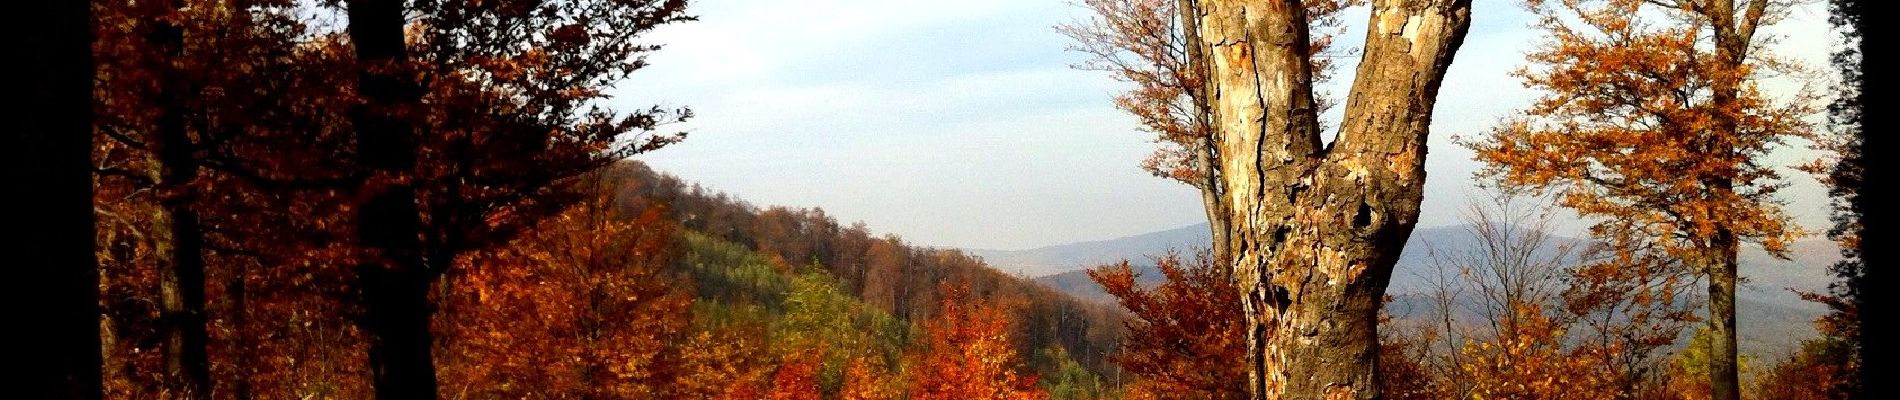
[[181, 237], [395, 280], [54, 275], [1724, 373], [1316, 230]]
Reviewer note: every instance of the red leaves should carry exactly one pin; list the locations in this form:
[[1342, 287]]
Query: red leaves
[[1186, 333]]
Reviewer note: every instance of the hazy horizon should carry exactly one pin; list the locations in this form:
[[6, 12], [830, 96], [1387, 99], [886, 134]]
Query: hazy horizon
[[961, 124]]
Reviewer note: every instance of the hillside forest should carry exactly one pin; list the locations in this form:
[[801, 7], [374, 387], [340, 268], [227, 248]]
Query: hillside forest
[[429, 199]]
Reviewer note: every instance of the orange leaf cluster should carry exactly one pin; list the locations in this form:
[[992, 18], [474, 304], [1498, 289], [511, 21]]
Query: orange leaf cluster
[[581, 306], [969, 354]]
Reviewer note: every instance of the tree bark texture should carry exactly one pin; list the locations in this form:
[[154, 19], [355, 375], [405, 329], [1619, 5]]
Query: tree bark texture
[[395, 281], [1317, 228]]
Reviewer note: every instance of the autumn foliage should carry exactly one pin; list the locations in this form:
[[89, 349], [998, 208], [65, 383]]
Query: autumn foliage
[[1185, 334], [247, 156], [968, 354], [1653, 122], [583, 305]]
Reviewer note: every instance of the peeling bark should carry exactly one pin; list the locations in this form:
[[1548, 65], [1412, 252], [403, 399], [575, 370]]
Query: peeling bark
[[1316, 230]]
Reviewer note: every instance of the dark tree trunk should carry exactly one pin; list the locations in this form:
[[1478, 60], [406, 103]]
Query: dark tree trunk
[[1874, 262], [182, 264], [242, 345], [1316, 230], [395, 283], [54, 272]]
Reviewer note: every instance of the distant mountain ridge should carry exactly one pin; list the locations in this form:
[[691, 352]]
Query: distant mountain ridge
[[1773, 317], [1051, 260]]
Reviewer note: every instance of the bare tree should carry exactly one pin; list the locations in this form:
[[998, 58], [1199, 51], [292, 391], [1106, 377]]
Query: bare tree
[[1603, 307]]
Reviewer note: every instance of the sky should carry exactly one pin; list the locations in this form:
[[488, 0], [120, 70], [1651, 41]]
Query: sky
[[960, 123]]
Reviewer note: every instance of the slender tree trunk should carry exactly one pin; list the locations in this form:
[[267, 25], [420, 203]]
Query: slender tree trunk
[[1206, 162], [1733, 33], [1724, 374], [54, 273], [181, 275], [395, 283], [242, 345], [1316, 230]]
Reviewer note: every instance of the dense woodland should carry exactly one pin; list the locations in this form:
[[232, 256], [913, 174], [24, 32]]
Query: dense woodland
[[273, 199]]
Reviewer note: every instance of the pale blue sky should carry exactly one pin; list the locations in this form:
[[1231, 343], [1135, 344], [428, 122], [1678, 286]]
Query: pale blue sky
[[959, 122]]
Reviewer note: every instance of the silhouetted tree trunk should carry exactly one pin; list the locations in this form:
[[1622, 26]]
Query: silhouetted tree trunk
[[395, 281], [1317, 229], [1854, 214], [180, 244], [52, 267]]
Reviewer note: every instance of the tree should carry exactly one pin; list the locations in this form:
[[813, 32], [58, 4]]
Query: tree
[[869, 379], [797, 377], [396, 283], [1653, 122], [1846, 174], [969, 354], [580, 306], [1185, 332], [1521, 305], [477, 135], [51, 149], [1151, 45], [162, 106], [1317, 227]]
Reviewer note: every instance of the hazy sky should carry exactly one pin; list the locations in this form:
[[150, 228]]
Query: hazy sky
[[959, 122]]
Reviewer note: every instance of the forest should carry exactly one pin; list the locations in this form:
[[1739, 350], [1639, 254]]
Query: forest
[[430, 199]]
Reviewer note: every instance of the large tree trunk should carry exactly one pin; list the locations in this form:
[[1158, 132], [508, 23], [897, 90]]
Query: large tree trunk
[[395, 282], [181, 238], [1316, 230], [52, 267]]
